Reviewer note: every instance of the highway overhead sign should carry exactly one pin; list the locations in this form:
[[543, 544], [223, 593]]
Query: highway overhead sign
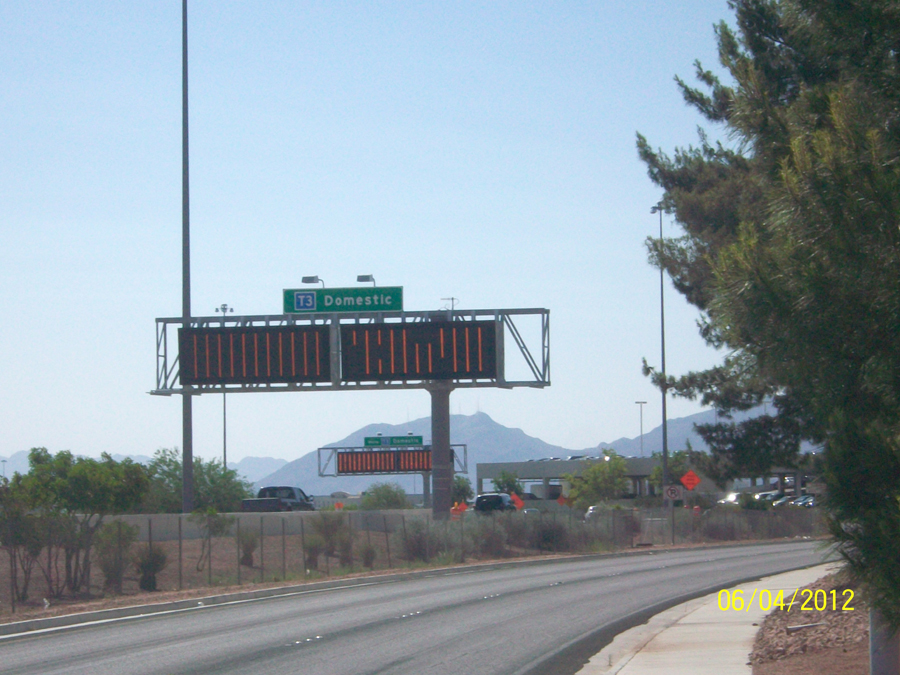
[[343, 300]]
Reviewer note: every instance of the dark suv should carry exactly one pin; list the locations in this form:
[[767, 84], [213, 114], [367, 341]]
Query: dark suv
[[493, 501]]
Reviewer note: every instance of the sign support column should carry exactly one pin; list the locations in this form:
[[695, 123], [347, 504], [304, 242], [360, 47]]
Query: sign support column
[[441, 457], [426, 489]]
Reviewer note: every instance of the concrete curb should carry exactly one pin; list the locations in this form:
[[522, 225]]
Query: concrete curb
[[18, 628]]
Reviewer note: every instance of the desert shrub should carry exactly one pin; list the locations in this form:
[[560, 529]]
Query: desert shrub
[[516, 527], [313, 548], [332, 528], [212, 525], [550, 535], [112, 544], [385, 496], [248, 540], [150, 561], [345, 549], [488, 538], [421, 542], [368, 556]]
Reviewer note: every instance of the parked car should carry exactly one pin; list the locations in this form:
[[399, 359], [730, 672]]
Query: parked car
[[493, 501], [279, 498]]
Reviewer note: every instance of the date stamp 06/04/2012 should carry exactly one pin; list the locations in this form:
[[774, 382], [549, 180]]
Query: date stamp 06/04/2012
[[805, 599]]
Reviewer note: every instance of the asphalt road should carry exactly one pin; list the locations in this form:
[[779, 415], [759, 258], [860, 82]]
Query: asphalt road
[[536, 618]]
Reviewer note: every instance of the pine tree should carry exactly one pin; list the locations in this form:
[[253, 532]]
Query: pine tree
[[792, 252]]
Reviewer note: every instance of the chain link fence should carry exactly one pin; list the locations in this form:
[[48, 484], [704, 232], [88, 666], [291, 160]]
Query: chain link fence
[[141, 554]]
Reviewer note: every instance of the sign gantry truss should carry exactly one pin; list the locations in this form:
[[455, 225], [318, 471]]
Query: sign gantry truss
[[381, 350]]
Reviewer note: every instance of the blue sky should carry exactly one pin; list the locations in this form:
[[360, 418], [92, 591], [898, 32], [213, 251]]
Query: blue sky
[[484, 151]]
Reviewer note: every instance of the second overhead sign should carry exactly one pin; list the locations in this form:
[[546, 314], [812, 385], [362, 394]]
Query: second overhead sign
[[392, 441]]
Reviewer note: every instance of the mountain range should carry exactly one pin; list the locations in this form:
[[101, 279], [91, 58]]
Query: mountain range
[[487, 441]]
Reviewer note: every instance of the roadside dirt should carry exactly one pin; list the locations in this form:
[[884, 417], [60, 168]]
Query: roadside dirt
[[36, 609], [805, 640]]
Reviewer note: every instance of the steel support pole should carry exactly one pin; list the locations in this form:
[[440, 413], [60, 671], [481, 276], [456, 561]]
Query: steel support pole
[[224, 432], [884, 646], [426, 488], [441, 458], [187, 432]]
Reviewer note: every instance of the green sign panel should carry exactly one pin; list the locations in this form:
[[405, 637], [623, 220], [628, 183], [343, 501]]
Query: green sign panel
[[392, 441], [328, 300]]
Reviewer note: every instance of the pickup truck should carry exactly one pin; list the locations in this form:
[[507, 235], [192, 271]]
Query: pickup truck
[[279, 498]]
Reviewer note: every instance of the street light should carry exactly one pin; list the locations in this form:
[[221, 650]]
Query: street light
[[224, 309], [4, 467], [642, 404], [662, 325], [365, 278], [313, 280]]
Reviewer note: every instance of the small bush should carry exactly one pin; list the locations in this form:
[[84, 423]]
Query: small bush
[[112, 544], [332, 529], [249, 542], [150, 561], [212, 525], [345, 549], [313, 547], [488, 538], [385, 496], [516, 527], [368, 556], [549, 535], [421, 541]]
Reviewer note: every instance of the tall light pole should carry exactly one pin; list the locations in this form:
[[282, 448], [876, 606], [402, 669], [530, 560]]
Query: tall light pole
[[642, 404], [4, 467], [662, 325], [187, 436], [224, 309]]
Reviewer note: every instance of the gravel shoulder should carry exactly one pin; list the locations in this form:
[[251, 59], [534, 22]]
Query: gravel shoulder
[[804, 640]]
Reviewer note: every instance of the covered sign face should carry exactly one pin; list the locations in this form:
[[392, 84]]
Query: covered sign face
[[690, 480]]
